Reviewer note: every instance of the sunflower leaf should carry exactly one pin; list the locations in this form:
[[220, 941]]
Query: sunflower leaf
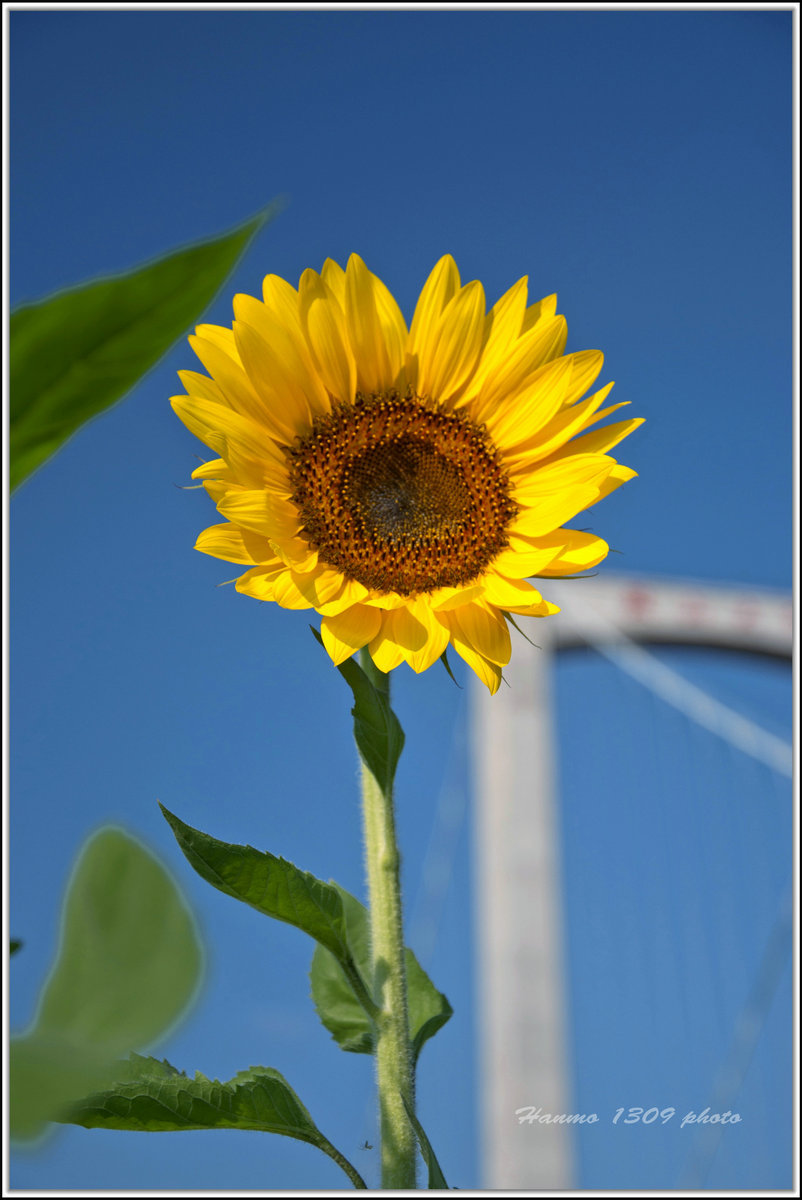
[[428, 1009], [377, 730], [14, 945], [76, 352], [338, 1007], [437, 1180], [148, 1095], [335, 1001], [276, 888], [128, 964]]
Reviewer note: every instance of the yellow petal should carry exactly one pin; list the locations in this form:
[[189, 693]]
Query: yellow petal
[[524, 558], [228, 542], [408, 632], [349, 631], [217, 468], [585, 368], [560, 474], [446, 598], [442, 284], [509, 593], [540, 345], [324, 323], [555, 434], [502, 328], [259, 582], [230, 377], [539, 311], [376, 329], [222, 337], [387, 600], [417, 633], [270, 370], [452, 349], [617, 476], [554, 510], [541, 608], [199, 385], [295, 552], [295, 589], [245, 445], [523, 413], [484, 630], [602, 440], [437, 637], [282, 302], [352, 592], [261, 511], [580, 552], [384, 649], [289, 364], [219, 488], [333, 276], [488, 672]]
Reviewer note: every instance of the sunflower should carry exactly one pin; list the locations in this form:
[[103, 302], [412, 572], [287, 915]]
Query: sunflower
[[404, 483]]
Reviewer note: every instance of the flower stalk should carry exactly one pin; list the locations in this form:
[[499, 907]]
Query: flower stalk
[[395, 1070]]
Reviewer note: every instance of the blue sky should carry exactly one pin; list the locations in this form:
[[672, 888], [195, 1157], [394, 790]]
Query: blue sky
[[638, 164]]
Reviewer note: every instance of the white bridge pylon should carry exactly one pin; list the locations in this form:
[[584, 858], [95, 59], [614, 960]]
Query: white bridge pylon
[[522, 989]]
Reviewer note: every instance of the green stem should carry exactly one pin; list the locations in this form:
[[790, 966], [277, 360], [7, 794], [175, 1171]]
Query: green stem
[[395, 1069], [356, 1179]]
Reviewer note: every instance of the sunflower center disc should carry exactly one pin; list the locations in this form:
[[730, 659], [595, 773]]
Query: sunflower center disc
[[407, 489], [401, 496]]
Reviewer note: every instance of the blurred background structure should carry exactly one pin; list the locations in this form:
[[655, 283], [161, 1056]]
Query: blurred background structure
[[528, 1043], [638, 163]]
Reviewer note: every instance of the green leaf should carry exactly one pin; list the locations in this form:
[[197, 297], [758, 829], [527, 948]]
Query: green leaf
[[437, 1180], [148, 1095], [338, 1007], [130, 958], [75, 353], [428, 1009], [377, 730], [47, 1073], [274, 887], [15, 945], [129, 963]]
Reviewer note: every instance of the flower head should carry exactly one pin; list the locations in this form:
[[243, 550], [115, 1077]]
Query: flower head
[[404, 483]]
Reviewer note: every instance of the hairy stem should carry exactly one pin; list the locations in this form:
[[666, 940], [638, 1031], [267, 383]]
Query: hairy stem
[[394, 1060]]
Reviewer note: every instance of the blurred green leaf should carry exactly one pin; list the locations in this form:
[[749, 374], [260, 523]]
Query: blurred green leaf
[[437, 1180], [130, 957], [274, 887], [75, 353], [129, 963], [340, 1011], [148, 1095], [47, 1073], [377, 730], [15, 945]]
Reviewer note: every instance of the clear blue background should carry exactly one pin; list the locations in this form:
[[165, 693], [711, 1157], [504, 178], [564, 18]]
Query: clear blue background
[[638, 163]]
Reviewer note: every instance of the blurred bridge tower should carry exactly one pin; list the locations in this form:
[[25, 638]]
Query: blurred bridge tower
[[523, 1006]]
